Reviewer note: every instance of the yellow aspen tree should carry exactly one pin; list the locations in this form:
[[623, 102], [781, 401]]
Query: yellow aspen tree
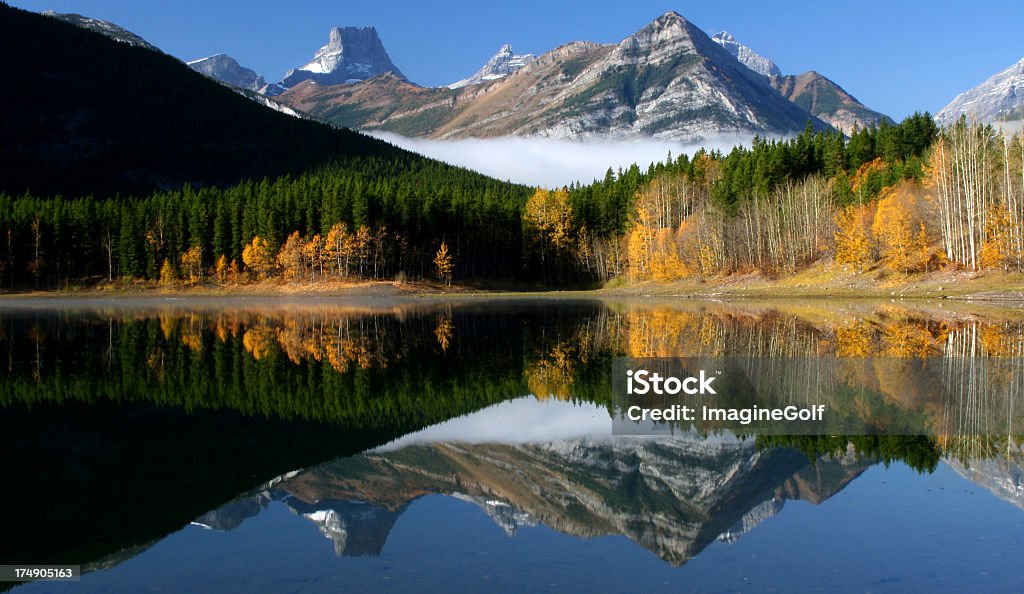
[[892, 229], [168, 276], [258, 257], [361, 247], [234, 271], [289, 257], [853, 244], [444, 264], [995, 251], [192, 264], [220, 271], [335, 250], [313, 252]]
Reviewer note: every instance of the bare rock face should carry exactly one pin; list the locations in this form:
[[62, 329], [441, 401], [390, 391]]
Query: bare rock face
[[827, 101], [226, 69], [351, 55], [668, 80], [500, 65], [998, 100], [746, 56]]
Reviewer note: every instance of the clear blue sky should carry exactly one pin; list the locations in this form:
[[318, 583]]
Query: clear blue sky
[[895, 56]]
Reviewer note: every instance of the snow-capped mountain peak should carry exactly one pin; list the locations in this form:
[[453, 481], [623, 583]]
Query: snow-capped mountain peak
[[352, 54], [226, 69], [746, 56], [500, 65], [998, 99]]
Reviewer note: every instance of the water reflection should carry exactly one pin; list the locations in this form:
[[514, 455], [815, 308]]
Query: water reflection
[[347, 414]]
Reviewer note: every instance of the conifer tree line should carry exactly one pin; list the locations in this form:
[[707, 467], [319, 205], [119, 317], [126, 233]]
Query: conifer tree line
[[903, 198]]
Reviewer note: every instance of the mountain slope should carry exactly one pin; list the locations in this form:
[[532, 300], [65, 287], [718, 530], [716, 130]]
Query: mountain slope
[[66, 132], [811, 91], [999, 99], [668, 80], [828, 101], [106, 28]]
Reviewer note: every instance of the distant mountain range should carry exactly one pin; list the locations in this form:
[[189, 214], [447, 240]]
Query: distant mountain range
[[664, 81], [669, 80]]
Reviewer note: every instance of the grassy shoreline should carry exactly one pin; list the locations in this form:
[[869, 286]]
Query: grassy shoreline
[[818, 282]]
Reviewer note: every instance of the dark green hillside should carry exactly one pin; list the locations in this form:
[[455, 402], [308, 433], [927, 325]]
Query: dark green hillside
[[85, 114]]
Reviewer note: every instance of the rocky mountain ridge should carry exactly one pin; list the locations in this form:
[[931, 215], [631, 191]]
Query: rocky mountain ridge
[[500, 65], [746, 56], [226, 69], [998, 100], [668, 80]]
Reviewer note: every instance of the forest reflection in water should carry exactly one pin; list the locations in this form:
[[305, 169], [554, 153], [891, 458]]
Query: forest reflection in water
[[891, 368], [222, 403]]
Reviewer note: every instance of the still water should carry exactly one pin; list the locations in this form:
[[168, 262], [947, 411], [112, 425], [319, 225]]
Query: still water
[[268, 445]]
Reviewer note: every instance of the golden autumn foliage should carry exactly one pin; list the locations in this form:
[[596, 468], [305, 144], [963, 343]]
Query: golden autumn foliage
[[548, 214], [168, 276], [853, 241], [999, 234], [260, 342], [444, 331], [444, 264], [192, 265], [313, 252], [902, 238], [291, 255], [258, 257], [854, 340]]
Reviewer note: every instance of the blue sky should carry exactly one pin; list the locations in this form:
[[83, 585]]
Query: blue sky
[[895, 56]]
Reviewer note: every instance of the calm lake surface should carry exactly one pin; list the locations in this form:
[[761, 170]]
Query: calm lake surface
[[280, 445]]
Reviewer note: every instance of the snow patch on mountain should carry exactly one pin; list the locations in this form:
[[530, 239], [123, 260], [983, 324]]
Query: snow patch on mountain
[[745, 55], [352, 54], [998, 99], [500, 65], [226, 69]]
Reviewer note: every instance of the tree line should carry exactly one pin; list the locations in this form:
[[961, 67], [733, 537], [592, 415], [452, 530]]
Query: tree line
[[904, 197]]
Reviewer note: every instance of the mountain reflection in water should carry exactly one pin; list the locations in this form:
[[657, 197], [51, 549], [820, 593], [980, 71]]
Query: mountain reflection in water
[[673, 496]]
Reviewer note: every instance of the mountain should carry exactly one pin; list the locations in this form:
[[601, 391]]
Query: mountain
[[827, 101], [500, 65], [226, 69], [810, 90], [745, 55], [65, 130], [999, 99], [106, 28], [351, 55], [668, 80]]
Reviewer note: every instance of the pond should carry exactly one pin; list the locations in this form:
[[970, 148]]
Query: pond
[[432, 444]]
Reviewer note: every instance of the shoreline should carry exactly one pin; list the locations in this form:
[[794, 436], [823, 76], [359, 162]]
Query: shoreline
[[820, 282]]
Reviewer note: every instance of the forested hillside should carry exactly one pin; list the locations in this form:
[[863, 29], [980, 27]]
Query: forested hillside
[[84, 114]]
